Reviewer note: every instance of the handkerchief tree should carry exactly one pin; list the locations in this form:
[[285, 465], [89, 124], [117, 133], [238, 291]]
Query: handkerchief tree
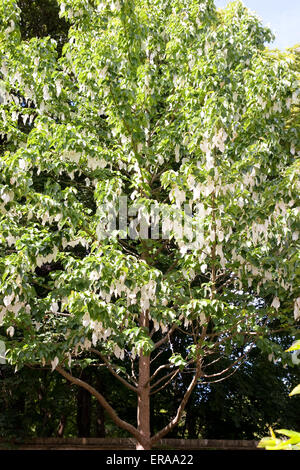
[[169, 106]]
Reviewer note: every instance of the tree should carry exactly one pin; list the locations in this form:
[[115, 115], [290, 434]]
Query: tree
[[176, 115], [35, 403]]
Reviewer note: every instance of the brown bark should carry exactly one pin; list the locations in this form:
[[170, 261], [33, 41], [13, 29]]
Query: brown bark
[[84, 409], [100, 416], [142, 433], [100, 421], [61, 426], [143, 409]]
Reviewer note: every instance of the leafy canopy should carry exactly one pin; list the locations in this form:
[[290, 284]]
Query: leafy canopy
[[165, 102]]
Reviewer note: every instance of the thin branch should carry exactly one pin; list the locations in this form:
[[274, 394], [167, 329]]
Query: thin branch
[[240, 359], [225, 284], [124, 245], [171, 267], [223, 378], [157, 175], [41, 285], [166, 384], [165, 338], [180, 409], [160, 249], [157, 355], [213, 362], [164, 366], [114, 373], [165, 377]]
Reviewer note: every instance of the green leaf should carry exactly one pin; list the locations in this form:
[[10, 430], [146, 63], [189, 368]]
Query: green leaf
[[295, 391], [289, 433], [294, 347]]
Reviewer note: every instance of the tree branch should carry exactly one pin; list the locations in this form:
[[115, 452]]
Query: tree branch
[[113, 372], [171, 375], [223, 378], [112, 413], [164, 366], [159, 435], [239, 360], [165, 338]]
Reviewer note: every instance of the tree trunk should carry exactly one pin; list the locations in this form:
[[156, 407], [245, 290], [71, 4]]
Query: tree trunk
[[84, 410], [190, 423], [143, 409], [61, 426], [100, 417], [100, 421]]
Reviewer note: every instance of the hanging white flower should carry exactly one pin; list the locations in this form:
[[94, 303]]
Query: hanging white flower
[[271, 357], [209, 188], [2, 352], [16, 307], [276, 303], [54, 307], [10, 331], [205, 146], [46, 94], [94, 338], [212, 236], [297, 309], [117, 351], [54, 363], [177, 152], [8, 299], [10, 240], [58, 85], [86, 319], [11, 27], [6, 197], [179, 196]]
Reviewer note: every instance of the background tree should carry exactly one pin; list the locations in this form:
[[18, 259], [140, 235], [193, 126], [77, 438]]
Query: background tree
[[41, 19], [237, 408], [165, 103]]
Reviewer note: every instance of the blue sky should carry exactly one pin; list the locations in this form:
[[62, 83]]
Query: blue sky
[[283, 16]]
